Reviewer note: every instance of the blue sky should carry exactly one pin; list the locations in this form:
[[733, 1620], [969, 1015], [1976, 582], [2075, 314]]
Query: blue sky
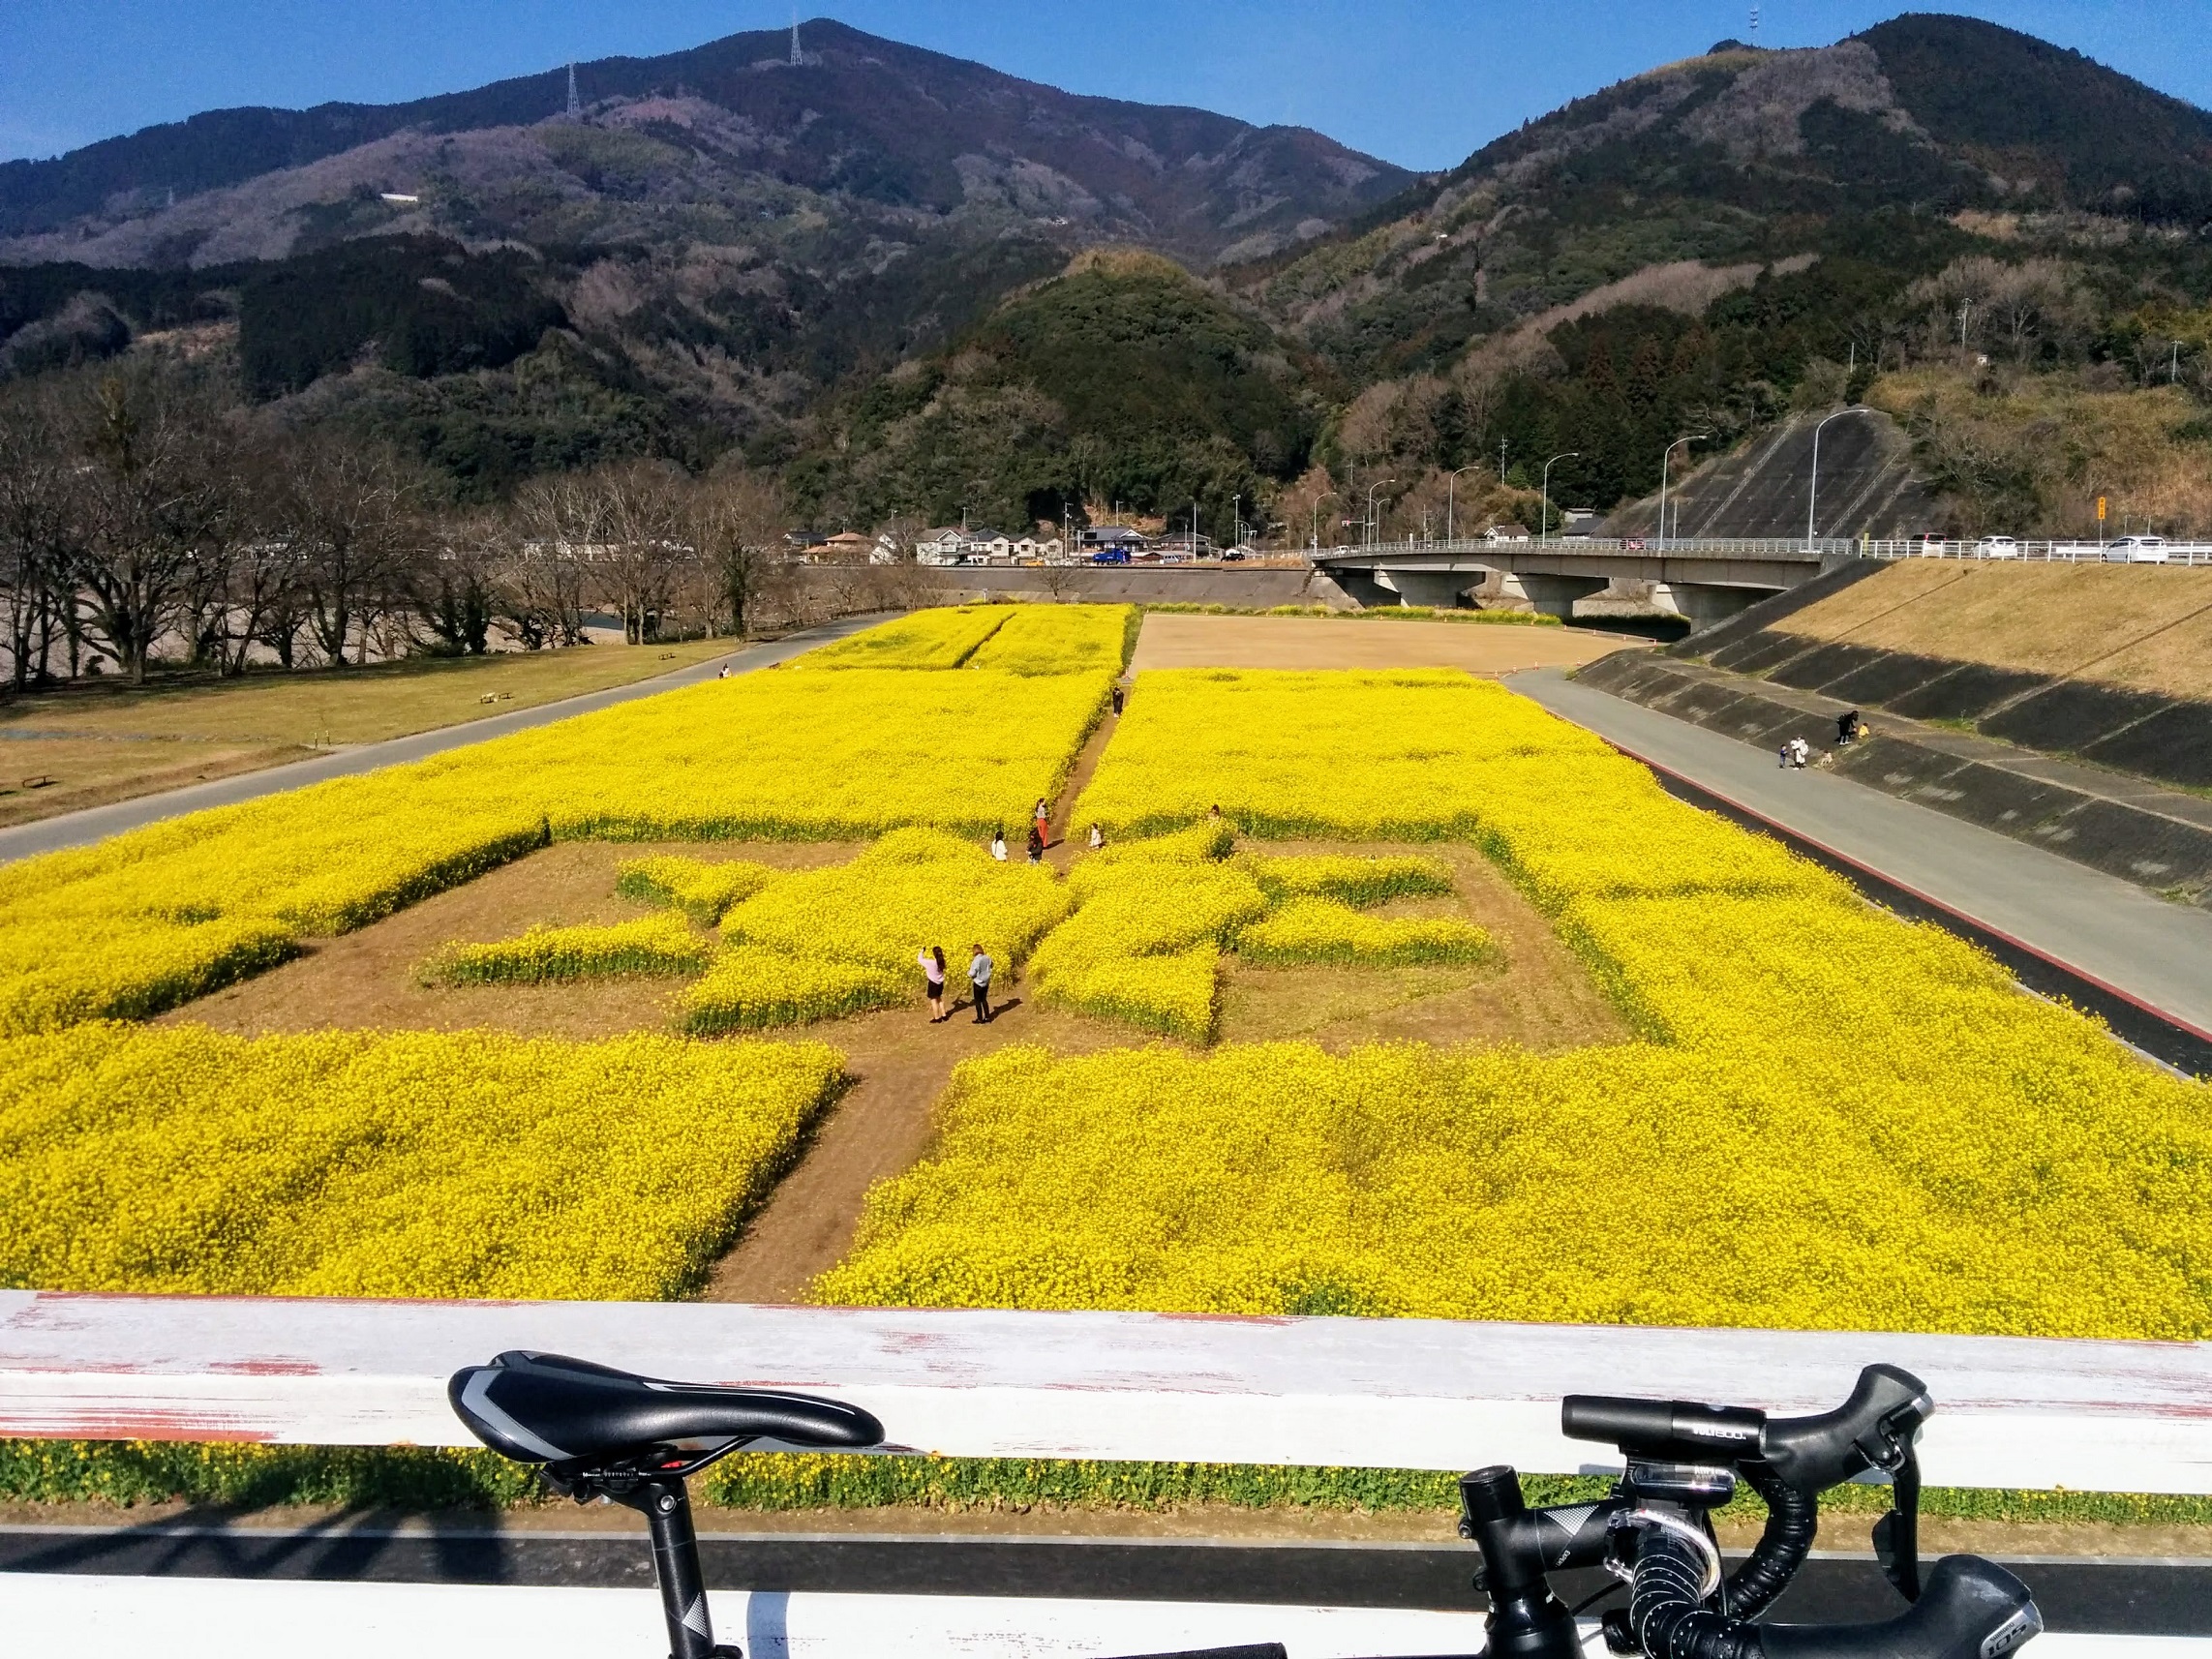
[[1422, 82]]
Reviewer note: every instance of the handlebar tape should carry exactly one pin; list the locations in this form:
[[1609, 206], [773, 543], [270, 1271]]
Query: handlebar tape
[[1972, 1609]]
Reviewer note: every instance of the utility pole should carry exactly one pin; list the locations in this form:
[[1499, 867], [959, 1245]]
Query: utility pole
[[1501, 461]]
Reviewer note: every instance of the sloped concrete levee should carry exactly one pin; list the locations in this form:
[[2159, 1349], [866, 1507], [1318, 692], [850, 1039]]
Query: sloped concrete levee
[[2158, 838]]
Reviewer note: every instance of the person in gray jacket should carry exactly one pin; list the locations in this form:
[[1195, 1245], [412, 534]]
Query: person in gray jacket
[[979, 967]]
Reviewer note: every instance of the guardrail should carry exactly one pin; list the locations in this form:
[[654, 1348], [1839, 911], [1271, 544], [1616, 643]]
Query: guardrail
[[2013, 1412], [1791, 549]]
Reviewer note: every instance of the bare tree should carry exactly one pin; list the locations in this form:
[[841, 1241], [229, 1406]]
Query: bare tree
[[736, 521], [35, 523], [638, 561], [351, 508], [542, 592], [152, 494]]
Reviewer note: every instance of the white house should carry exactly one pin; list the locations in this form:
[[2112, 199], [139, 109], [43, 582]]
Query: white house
[[940, 546]]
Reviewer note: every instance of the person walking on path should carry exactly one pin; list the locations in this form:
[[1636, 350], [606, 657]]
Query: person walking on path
[[932, 962], [1044, 822], [1785, 752], [1036, 846], [979, 967], [998, 845], [1117, 696], [1097, 838]]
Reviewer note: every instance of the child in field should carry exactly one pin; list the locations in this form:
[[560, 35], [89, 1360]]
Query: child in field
[[998, 845], [1036, 846]]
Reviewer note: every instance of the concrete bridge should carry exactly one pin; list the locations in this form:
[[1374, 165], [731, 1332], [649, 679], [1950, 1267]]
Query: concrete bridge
[[1705, 580]]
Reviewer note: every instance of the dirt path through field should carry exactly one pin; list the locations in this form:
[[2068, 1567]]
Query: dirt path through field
[[881, 1124]]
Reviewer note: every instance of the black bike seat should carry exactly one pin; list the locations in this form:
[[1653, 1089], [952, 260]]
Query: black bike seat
[[544, 1408]]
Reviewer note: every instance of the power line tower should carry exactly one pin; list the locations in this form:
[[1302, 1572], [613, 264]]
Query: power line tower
[[798, 57], [1754, 25], [575, 106]]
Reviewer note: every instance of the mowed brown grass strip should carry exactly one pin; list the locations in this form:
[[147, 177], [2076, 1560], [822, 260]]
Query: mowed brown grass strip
[[1172, 639], [102, 741]]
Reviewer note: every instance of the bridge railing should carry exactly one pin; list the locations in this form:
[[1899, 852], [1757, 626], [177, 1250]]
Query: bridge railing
[[2108, 1416], [1792, 550]]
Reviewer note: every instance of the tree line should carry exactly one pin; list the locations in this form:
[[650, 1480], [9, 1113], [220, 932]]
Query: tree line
[[146, 517]]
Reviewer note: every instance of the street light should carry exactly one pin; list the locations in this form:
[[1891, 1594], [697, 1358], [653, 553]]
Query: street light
[[1382, 484], [1236, 520], [1544, 523], [1324, 495], [1451, 488], [1666, 456], [1812, 494]]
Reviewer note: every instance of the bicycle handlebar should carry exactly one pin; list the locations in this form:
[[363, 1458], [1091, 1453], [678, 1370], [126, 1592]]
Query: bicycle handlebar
[[1972, 1609], [1873, 1428]]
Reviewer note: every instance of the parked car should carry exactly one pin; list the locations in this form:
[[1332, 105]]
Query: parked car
[[1997, 546], [1929, 544], [2137, 550]]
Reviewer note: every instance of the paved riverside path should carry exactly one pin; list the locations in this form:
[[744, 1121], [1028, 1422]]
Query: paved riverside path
[[2149, 950], [98, 822]]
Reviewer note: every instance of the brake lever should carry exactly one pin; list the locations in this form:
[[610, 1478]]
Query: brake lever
[[1896, 1535]]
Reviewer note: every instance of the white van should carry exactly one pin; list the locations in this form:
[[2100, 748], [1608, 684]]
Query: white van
[[2137, 550]]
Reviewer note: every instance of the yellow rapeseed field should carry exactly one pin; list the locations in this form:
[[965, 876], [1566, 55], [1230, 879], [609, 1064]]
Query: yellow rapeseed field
[[701, 890], [651, 945], [151, 919], [922, 639], [1060, 639], [1327, 930], [410, 1163], [1835, 1119]]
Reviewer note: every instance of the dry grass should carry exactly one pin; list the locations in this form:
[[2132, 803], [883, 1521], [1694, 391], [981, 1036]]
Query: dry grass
[[2143, 626], [1174, 640], [2031, 456], [101, 740]]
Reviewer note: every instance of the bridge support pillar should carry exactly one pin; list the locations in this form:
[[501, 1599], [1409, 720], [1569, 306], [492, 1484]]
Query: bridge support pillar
[[1444, 589], [1704, 603], [1554, 595]]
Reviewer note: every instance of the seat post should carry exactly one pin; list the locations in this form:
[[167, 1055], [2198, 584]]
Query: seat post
[[667, 1509]]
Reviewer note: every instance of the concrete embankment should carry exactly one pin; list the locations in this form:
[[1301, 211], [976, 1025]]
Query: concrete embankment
[[2159, 838]]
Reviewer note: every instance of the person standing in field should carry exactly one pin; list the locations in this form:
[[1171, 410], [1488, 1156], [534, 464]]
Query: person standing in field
[[932, 962], [998, 845], [1036, 846], [1044, 822], [1118, 694], [1097, 838], [979, 967]]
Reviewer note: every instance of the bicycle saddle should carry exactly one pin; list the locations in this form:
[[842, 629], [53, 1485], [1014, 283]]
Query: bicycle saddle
[[545, 1408]]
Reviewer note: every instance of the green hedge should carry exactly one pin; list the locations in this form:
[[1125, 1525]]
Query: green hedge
[[248, 1476]]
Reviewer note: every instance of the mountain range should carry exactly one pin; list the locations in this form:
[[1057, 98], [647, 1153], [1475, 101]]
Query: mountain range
[[855, 266]]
